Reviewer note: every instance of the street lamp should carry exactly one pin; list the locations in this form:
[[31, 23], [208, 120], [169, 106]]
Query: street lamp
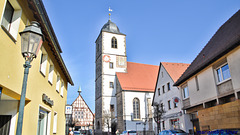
[[32, 39]]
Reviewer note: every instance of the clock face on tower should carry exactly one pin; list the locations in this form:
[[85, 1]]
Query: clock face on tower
[[106, 58]]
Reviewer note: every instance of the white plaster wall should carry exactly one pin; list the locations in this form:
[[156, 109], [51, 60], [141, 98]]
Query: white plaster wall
[[185, 124], [107, 41], [168, 95], [107, 70], [107, 91], [207, 87], [234, 63], [10, 108], [128, 105]]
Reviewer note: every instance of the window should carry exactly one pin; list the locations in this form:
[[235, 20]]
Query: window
[[159, 91], [162, 74], [163, 89], [168, 86], [163, 124], [43, 121], [51, 70], [169, 104], [175, 105], [43, 64], [136, 108], [58, 83], [62, 88], [114, 42], [55, 123], [11, 18], [111, 85], [7, 16], [185, 92], [223, 73], [112, 108], [111, 65], [197, 85]]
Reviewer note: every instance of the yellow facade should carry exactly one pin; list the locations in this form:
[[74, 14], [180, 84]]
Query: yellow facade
[[11, 78]]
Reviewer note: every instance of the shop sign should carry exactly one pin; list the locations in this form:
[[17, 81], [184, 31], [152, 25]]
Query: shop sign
[[47, 100], [68, 109], [176, 100]]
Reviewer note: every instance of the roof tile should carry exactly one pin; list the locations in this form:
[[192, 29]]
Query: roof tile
[[139, 77]]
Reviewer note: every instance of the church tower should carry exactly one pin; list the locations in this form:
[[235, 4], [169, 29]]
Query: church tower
[[110, 58]]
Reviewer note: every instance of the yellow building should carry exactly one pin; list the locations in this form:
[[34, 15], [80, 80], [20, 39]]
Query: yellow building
[[48, 77]]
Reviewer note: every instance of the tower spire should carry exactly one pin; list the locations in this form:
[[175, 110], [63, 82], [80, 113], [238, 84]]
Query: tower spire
[[79, 90], [110, 10]]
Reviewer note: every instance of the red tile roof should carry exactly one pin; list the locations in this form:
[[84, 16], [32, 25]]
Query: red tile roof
[[175, 70], [139, 77]]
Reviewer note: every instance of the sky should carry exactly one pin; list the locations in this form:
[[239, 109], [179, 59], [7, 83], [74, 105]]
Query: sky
[[156, 31]]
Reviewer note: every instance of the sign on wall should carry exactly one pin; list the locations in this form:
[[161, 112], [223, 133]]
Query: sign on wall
[[68, 109], [47, 100]]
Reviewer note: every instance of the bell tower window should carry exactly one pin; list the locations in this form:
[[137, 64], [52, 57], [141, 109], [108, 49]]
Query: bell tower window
[[114, 42]]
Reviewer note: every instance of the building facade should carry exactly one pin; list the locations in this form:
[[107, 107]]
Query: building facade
[[46, 94], [134, 92], [82, 116], [165, 94], [210, 86]]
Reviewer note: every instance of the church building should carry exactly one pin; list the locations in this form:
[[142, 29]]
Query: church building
[[123, 90]]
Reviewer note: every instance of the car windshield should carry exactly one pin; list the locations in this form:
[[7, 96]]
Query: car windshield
[[132, 132], [177, 131]]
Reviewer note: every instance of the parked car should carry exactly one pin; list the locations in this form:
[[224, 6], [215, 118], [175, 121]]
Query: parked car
[[173, 132], [129, 132], [224, 132], [76, 132]]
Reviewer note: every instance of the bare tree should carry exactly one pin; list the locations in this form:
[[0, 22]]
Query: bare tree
[[107, 119]]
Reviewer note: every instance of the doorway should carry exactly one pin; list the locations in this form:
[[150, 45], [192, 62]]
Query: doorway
[[5, 122]]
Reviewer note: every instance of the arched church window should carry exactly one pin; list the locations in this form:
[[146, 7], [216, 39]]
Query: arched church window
[[136, 108], [114, 42]]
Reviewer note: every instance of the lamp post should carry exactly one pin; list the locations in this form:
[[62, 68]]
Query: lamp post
[[31, 41]]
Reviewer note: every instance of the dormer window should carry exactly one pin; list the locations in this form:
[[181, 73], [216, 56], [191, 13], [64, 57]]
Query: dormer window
[[114, 42]]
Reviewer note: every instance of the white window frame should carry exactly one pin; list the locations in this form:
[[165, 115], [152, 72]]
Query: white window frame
[[183, 92], [16, 18], [62, 88], [49, 117], [58, 82], [111, 85], [51, 72], [55, 122], [43, 61], [216, 74], [169, 105]]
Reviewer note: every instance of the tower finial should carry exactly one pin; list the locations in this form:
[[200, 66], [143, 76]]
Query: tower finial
[[110, 10], [79, 90]]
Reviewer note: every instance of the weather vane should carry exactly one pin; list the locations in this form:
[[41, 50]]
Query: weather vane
[[110, 10]]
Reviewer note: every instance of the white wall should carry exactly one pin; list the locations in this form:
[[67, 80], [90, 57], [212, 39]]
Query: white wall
[[128, 106], [207, 85], [107, 43], [234, 63], [185, 124]]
